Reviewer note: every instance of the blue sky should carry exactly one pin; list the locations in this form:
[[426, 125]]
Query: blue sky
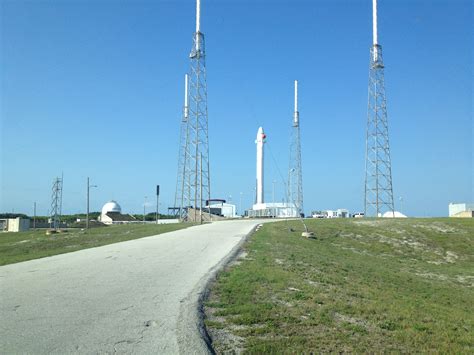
[[94, 88]]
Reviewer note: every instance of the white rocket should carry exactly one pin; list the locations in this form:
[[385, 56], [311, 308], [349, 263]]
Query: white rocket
[[260, 141]]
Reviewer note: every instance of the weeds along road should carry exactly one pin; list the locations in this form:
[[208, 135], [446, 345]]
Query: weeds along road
[[138, 296]]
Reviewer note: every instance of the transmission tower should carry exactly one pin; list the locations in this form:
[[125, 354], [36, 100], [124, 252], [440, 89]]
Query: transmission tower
[[378, 166], [194, 186], [295, 178], [56, 202]]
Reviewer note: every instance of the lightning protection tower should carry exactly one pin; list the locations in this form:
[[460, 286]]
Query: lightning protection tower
[[378, 166], [194, 149], [295, 178], [178, 197], [56, 202]]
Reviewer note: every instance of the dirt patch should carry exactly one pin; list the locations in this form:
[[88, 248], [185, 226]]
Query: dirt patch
[[438, 227], [351, 320], [465, 280]]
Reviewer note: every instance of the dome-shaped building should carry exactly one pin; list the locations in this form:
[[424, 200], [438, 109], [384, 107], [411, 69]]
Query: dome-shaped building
[[111, 206], [112, 214]]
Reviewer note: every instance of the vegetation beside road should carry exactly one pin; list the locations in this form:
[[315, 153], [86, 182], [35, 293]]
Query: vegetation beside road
[[34, 244], [364, 285]]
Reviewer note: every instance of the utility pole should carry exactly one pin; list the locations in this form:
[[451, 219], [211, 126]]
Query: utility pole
[[240, 208], [273, 191], [200, 193], [88, 193], [144, 209], [157, 203], [34, 215]]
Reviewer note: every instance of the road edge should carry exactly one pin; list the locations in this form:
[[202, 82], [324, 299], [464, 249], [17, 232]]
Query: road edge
[[193, 337]]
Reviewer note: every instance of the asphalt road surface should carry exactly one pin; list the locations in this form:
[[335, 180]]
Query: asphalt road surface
[[138, 296]]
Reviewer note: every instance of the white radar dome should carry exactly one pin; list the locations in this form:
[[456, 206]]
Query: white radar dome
[[111, 206]]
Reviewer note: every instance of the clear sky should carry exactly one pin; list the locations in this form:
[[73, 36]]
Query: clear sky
[[95, 88]]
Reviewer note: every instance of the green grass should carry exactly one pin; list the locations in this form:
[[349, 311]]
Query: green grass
[[34, 244], [364, 285]]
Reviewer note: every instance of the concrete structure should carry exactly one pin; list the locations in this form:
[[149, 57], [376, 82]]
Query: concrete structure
[[112, 214], [223, 209], [14, 224], [461, 210], [275, 210]]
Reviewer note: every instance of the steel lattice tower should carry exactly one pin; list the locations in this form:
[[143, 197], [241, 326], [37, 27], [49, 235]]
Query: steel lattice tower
[[181, 158], [194, 148], [56, 202], [378, 166], [295, 176]]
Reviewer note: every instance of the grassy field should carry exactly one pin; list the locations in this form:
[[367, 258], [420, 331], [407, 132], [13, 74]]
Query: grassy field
[[363, 285], [16, 247]]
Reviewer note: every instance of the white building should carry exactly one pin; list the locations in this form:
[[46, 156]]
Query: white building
[[276, 210], [339, 213], [112, 214], [461, 210], [14, 224], [224, 209]]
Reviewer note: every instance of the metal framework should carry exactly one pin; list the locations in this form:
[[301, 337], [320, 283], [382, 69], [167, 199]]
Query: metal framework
[[56, 203], [193, 183], [378, 166], [295, 176], [178, 197]]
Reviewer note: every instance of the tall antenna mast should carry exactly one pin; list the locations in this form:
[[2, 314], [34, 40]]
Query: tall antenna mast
[[295, 176], [378, 167], [194, 185]]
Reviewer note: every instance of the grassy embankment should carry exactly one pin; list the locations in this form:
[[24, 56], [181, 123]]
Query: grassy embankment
[[363, 286], [22, 246]]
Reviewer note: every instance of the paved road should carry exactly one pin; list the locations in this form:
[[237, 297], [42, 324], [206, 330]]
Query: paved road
[[138, 296]]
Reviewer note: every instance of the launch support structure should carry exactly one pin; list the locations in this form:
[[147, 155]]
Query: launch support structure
[[295, 176], [193, 186], [378, 166]]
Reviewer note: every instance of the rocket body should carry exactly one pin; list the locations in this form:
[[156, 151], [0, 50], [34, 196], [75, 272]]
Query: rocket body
[[260, 141]]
